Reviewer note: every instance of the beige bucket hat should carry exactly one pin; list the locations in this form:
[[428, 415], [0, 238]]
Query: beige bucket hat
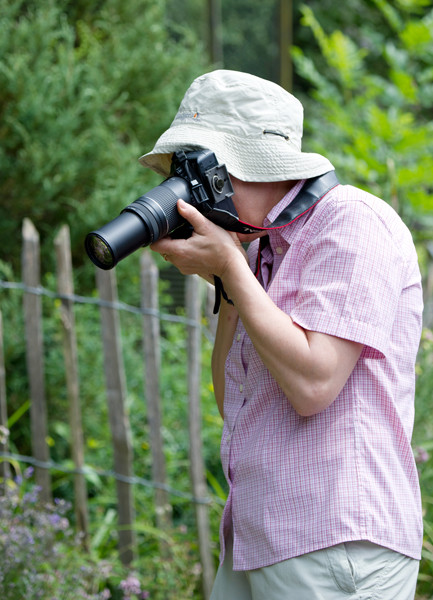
[[252, 125]]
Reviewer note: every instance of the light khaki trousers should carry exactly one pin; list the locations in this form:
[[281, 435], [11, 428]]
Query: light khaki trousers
[[349, 571]]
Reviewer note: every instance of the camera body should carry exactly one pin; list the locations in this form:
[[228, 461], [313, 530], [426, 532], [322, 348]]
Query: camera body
[[197, 178], [210, 183]]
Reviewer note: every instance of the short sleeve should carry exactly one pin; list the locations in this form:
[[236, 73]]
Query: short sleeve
[[351, 278]]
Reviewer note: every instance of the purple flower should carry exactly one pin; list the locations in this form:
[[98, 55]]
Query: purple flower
[[421, 455], [31, 497], [54, 519], [28, 472], [130, 585]]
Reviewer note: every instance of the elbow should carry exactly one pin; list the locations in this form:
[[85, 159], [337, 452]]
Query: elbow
[[312, 399]]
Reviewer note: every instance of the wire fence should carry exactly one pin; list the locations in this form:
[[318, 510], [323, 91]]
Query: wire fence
[[89, 470], [116, 305], [196, 324]]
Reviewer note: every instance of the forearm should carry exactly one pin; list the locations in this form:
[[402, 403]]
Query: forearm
[[227, 321]]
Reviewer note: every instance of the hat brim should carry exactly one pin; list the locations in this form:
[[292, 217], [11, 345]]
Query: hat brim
[[269, 158]]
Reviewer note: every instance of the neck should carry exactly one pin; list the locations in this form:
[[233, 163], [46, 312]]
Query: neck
[[266, 195]]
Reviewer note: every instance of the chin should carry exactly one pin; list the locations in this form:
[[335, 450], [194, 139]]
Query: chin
[[246, 238]]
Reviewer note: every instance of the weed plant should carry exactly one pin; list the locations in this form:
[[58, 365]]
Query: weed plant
[[44, 559]]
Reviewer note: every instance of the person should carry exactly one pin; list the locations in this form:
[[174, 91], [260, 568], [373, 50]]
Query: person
[[314, 356]]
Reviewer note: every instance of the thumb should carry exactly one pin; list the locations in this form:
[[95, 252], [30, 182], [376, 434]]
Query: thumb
[[191, 214]]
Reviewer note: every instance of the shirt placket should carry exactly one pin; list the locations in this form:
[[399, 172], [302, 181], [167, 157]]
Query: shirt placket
[[231, 418], [238, 340], [270, 261]]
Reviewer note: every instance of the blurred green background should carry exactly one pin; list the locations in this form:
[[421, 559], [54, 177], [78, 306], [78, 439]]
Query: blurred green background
[[86, 87]]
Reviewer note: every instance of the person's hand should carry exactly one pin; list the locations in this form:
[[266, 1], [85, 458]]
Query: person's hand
[[207, 252]]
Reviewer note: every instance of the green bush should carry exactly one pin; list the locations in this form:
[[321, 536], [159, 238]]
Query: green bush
[[423, 446], [83, 92], [85, 89], [372, 119], [41, 558]]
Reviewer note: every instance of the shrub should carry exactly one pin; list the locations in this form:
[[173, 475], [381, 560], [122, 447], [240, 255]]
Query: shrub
[[373, 123], [41, 557], [423, 444], [83, 92]]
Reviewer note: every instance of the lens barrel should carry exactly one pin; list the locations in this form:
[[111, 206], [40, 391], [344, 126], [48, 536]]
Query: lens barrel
[[143, 222]]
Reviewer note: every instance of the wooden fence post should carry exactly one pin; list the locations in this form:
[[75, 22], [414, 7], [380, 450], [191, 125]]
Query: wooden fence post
[[119, 421], [65, 286], [34, 354], [209, 306], [198, 478], [5, 471], [428, 289], [152, 358]]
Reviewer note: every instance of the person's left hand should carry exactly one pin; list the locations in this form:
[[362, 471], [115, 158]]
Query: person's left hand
[[206, 253]]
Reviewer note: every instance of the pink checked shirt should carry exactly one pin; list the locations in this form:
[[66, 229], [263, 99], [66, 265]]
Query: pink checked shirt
[[298, 484]]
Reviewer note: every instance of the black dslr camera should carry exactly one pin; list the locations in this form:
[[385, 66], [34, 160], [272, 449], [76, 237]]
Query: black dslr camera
[[197, 178]]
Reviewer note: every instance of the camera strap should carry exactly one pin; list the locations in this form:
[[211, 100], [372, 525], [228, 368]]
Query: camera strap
[[224, 214], [311, 193]]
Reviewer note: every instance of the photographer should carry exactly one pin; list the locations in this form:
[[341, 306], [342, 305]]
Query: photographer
[[314, 358]]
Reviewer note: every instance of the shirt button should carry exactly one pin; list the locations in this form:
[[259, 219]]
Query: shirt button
[[279, 250], [238, 337], [241, 388]]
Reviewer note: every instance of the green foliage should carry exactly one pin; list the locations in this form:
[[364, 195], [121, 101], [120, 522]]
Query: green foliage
[[80, 100], [85, 88], [163, 575], [423, 444], [251, 44], [249, 33], [370, 120], [251, 30], [41, 558]]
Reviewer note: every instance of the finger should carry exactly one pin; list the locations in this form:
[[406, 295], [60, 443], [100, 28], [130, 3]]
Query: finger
[[164, 246]]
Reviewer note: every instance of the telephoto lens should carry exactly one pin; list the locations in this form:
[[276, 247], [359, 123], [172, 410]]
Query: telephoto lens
[[143, 222]]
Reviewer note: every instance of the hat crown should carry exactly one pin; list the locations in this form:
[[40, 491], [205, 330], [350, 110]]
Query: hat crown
[[242, 105], [252, 125]]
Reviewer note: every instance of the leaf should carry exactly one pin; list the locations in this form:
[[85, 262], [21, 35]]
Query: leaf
[[306, 68], [417, 36], [18, 413], [420, 173], [339, 50], [390, 13], [104, 530], [406, 84], [216, 486], [346, 58]]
